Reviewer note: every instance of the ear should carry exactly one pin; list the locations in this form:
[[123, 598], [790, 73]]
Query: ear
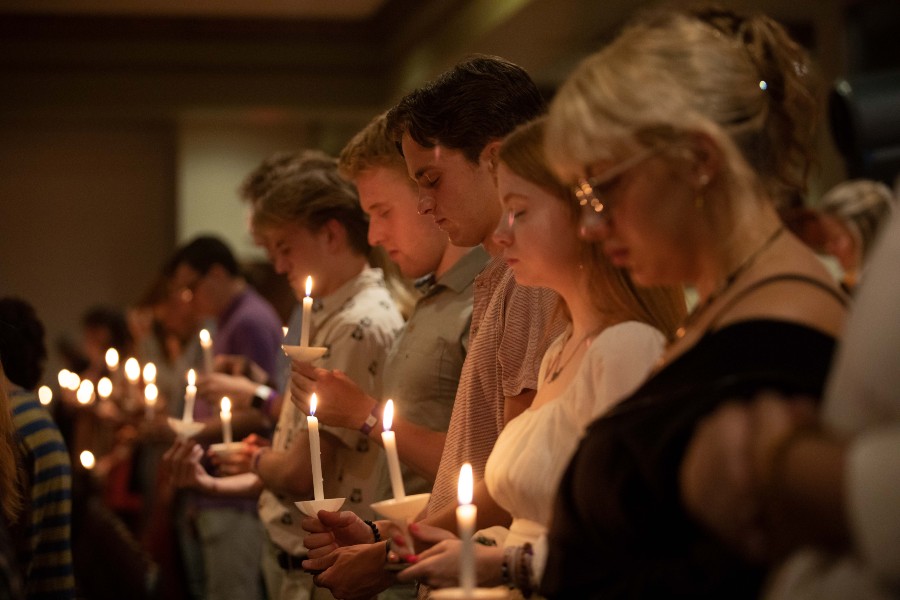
[[333, 235], [706, 159], [490, 154]]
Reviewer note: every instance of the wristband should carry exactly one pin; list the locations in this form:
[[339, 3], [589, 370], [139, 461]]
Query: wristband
[[371, 420], [375, 531], [262, 396]]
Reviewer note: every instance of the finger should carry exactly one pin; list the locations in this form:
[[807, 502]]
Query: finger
[[318, 540], [313, 525], [319, 564], [323, 551], [333, 519]]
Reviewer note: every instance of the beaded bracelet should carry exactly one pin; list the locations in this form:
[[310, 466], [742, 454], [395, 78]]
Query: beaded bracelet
[[375, 531], [523, 571]]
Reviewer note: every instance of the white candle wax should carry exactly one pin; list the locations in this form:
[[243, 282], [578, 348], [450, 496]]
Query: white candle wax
[[307, 314], [315, 450], [466, 515], [225, 414], [133, 374], [190, 395], [206, 344], [390, 449], [151, 393]]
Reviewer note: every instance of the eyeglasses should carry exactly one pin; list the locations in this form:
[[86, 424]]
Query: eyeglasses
[[590, 191]]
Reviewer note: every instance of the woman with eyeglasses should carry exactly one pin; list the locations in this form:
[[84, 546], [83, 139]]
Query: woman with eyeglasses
[[679, 139], [616, 334]]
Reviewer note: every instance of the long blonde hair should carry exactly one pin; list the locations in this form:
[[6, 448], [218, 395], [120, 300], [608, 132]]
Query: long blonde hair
[[10, 470], [612, 292]]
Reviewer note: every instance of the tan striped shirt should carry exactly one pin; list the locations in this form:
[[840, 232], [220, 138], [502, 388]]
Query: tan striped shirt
[[512, 327]]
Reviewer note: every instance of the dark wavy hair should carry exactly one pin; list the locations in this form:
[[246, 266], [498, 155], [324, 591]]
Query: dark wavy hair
[[22, 349]]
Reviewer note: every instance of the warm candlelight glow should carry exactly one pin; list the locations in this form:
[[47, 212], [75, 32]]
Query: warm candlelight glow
[[226, 406], [132, 370], [151, 393], [315, 449], [225, 415], [284, 331], [149, 373], [112, 359], [74, 381], [465, 488], [192, 377], [104, 387], [87, 459], [63, 378], [206, 344], [306, 314], [388, 417], [45, 395], [308, 285], [85, 392], [205, 339], [313, 402]]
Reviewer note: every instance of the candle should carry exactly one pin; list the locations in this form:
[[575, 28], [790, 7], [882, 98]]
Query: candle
[[63, 378], [85, 392], [149, 373], [112, 360], [315, 451], [307, 311], [151, 393], [132, 373], [87, 459], [390, 449], [74, 381], [104, 388], [190, 394], [206, 344], [226, 419], [466, 514], [45, 395]]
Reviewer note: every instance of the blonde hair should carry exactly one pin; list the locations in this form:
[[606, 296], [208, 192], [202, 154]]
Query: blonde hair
[[370, 148], [315, 193], [10, 470], [741, 80], [863, 205], [611, 289]]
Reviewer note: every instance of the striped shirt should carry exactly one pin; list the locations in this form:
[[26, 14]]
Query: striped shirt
[[512, 327], [48, 571]]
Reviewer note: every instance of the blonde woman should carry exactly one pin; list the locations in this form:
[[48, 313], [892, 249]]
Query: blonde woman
[[679, 138]]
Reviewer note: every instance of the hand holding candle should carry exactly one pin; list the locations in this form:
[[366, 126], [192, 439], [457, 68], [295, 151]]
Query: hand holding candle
[[466, 515], [206, 344], [390, 449], [315, 450], [307, 314], [190, 395], [226, 419]]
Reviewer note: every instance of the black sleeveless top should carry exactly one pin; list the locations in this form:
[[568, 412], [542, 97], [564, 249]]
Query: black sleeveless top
[[619, 528]]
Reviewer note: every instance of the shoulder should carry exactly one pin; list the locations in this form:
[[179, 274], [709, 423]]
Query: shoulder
[[627, 336]]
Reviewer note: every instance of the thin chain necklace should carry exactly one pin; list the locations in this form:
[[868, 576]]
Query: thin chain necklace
[[557, 365], [727, 283]]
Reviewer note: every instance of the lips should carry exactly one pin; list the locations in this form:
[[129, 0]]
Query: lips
[[617, 256]]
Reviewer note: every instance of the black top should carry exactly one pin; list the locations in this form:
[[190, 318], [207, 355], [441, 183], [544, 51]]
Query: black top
[[619, 528]]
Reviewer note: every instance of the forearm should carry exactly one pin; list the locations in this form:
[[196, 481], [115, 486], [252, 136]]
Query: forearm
[[245, 485], [290, 472], [419, 448], [489, 512], [513, 406]]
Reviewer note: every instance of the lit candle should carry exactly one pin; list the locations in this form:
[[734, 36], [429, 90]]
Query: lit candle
[[85, 392], [149, 373], [74, 382], [466, 514], [112, 363], [190, 395], [206, 344], [315, 450], [63, 378], [226, 419], [390, 449], [132, 373], [151, 393], [307, 311], [45, 395], [104, 388], [87, 459]]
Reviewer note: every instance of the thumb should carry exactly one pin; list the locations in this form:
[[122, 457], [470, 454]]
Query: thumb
[[337, 519]]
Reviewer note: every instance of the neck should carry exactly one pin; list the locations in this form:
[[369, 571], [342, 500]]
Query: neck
[[585, 318], [451, 256], [339, 271]]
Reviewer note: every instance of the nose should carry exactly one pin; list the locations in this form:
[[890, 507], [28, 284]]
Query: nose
[[375, 235], [593, 227], [425, 204], [281, 265], [503, 234]]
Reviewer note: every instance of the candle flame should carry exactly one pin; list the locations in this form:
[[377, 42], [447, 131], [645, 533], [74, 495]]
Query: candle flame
[[226, 406], [132, 369], [74, 381], [308, 285], [313, 403], [284, 331], [465, 490], [45, 395], [388, 416], [192, 377], [112, 358], [151, 393], [85, 392], [149, 373], [205, 338], [87, 459], [104, 387], [63, 378]]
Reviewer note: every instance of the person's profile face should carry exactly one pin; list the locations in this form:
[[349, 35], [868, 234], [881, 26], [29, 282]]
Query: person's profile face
[[296, 252], [411, 240], [460, 195]]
